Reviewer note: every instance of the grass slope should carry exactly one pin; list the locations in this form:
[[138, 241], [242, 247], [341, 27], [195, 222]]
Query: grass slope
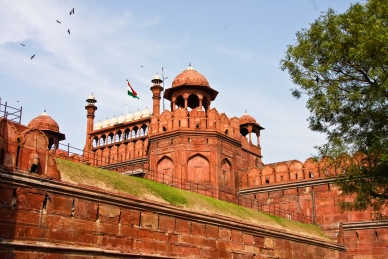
[[76, 173]]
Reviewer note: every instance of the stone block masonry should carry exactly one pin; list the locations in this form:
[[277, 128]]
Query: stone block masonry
[[51, 219]]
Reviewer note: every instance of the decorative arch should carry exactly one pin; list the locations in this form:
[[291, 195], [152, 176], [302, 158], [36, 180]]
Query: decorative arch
[[165, 170], [198, 169], [226, 172]]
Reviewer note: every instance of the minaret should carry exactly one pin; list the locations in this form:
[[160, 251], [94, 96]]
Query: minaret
[[156, 90], [90, 108]]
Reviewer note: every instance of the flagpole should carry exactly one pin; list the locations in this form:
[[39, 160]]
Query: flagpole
[[126, 101], [163, 88]]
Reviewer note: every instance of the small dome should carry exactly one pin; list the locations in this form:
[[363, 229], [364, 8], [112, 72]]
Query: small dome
[[121, 119], [146, 113], [129, 117], [190, 77], [44, 122], [157, 80], [246, 118], [105, 123], [137, 115], [98, 125], [91, 99], [157, 77], [113, 121]]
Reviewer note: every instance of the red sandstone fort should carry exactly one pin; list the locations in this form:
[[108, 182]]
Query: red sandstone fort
[[192, 147]]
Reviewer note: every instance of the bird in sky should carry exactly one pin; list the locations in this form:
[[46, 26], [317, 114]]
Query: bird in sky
[[58, 21], [71, 11], [32, 56], [141, 66], [68, 30], [22, 44]]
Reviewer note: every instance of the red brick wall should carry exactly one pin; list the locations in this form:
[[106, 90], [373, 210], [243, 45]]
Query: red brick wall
[[324, 198], [82, 223]]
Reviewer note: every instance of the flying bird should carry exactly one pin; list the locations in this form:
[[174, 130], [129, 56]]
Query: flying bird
[[32, 56], [68, 30], [22, 44], [141, 66], [71, 11], [58, 21]]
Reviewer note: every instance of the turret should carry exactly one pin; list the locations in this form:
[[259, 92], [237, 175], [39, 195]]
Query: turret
[[156, 90], [90, 108]]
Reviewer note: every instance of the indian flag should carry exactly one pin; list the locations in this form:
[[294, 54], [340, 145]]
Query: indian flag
[[131, 92]]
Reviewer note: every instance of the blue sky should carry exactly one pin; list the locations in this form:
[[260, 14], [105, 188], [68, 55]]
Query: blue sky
[[236, 45]]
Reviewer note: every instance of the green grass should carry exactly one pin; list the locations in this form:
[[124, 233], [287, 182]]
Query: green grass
[[77, 173]]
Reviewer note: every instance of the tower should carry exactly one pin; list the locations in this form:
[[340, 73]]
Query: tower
[[156, 90], [90, 109]]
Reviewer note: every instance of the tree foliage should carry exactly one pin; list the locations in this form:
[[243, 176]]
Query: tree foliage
[[341, 63]]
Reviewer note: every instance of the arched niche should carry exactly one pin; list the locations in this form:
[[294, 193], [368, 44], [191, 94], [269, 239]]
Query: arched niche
[[198, 169], [165, 170], [226, 173]]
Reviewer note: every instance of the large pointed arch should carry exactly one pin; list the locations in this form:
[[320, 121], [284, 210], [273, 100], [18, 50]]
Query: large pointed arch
[[198, 169], [165, 170]]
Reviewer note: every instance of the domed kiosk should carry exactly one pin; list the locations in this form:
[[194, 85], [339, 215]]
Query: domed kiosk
[[190, 89], [50, 128]]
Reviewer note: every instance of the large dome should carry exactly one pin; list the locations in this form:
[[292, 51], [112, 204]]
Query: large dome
[[190, 77], [44, 122]]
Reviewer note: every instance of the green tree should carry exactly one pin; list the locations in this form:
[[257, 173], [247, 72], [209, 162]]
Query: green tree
[[341, 64]]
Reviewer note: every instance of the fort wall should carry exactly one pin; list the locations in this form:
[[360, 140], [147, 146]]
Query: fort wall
[[51, 218]]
